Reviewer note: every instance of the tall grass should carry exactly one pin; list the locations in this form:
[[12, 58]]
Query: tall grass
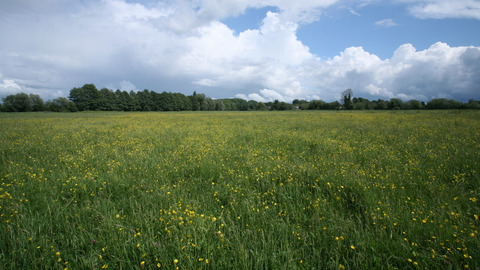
[[250, 190]]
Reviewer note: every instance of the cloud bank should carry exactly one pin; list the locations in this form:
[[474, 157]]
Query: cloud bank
[[181, 46]]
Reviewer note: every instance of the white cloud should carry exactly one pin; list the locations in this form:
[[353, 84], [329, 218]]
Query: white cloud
[[9, 84], [123, 11], [295, 11], [256, 97], [374, 90], [127, 86], [351, 10], [259, 58], [11, 87], [275, 40], [439, 70], [206, 82], [271, 95], [413, 96], [265, 95], [385, 23], [241, 96], [410, 74], [440, 9]]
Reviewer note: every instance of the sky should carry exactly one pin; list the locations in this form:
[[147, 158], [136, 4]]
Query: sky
[[261, 50]]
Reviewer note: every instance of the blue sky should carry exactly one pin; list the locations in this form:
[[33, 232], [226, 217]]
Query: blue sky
[[339, 28], [252, 49]]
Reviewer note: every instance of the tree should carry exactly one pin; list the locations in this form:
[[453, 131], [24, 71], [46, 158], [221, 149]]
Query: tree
[[107, 100], [20, 102], [252, 104], [473, 104], [242, 105], [61, 104], [347, 99], [371, 105], [122, 100], [334, 105], [281, 106], [163, 101], [219, 106], [228, 105], [358, 100], [36, 102], [260, 106], [413, 104], [183, 102], [145, 100], [194, 102], [275, 105], [202, 103], [304, 106], [316, 105], [453, 104], [361, 105], [381, 104], [237, 104], [85, 98], [437, 104], [395, 104], [135, 104], [210, 104]]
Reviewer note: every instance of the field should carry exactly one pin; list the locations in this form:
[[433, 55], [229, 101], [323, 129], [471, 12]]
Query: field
[[240, 190]]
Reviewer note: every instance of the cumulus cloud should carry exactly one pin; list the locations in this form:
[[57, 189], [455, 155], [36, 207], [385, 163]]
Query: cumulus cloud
[[9, 84], [264, 96], [253, 96], [260, 58], [276, 39], [385, 23], [438, 70], [270, 94], [127, 86], [256, 97], [10, 87]]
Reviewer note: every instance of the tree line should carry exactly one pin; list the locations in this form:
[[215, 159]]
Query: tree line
[[348, 102], [89, 98], [392, 104]]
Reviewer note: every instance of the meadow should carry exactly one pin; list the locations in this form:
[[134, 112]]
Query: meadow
[[240, 190]]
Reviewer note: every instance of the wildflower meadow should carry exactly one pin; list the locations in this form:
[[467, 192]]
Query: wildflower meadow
[[240, 190]]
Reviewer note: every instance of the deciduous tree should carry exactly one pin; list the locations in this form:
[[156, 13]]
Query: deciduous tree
[[347, 99]]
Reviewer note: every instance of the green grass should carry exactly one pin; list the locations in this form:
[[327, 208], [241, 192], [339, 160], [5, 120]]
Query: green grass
[[240, 190]]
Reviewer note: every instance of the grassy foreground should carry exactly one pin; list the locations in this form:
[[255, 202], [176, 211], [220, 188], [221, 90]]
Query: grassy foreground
[[240, 190]]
